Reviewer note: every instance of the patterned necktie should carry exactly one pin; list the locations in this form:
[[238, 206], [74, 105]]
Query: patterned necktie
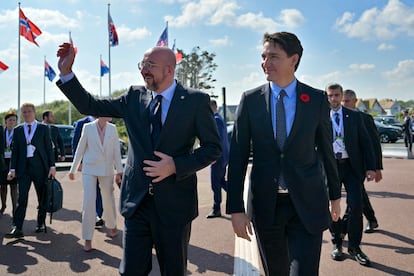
[[337, 118], [155, 119], [281, 120]]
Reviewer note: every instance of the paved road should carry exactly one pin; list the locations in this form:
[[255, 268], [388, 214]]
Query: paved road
[[211, 252]]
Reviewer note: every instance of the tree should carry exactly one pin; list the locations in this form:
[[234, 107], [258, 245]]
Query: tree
[[196, 70]]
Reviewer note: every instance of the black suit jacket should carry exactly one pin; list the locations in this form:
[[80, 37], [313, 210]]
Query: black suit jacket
[[357, 143], [189, 117], [375, 141], [311, 133], [59, 147], [41, 140]]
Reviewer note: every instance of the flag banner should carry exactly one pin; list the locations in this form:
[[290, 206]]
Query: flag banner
[[178, 54], [27, 29], [71, 43], [49, 72], [3, 67], [104, 68], [163, 40], [113, 35]]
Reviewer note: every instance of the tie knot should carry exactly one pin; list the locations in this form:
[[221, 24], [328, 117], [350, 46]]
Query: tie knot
[[158, 98], [282, 93]]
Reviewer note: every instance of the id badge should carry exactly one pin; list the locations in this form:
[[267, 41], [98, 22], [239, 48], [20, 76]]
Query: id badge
[[339, 145], [30, 150], [7, 153]]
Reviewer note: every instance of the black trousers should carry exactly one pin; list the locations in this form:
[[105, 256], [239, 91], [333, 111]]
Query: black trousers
[[286, 247], [145, 229], [353, 186], [39, 178], [218, 182]]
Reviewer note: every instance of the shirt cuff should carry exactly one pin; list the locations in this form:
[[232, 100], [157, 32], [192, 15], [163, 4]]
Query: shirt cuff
[[66, 78]]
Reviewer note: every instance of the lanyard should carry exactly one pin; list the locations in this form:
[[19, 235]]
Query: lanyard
[[9, 137]]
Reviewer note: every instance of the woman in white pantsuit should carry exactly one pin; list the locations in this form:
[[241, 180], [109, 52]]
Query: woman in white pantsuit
[[99, 151]]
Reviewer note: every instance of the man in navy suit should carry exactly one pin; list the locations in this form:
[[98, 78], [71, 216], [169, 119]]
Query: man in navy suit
[[159, 187], [218, 168], [78, 125], [287, 125], [356, 161], [32, 160]]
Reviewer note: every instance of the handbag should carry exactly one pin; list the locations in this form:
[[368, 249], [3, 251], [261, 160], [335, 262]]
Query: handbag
[[54, 196]]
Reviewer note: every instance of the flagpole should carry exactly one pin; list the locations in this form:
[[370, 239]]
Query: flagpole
[[44, 81], [100, 78], [109, 56], [18, 70]]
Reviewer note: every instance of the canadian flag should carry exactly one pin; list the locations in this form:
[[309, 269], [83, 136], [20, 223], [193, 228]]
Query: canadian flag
[[3, 67]]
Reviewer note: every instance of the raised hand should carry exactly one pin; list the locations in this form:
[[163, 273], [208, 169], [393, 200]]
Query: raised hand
[[66, 54]]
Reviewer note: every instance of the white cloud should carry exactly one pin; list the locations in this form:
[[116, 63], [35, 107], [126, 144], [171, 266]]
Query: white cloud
[[361, 67], [394, 19], [225, 41], [385, 47], [291, 18], [128, 34], [403, 71]]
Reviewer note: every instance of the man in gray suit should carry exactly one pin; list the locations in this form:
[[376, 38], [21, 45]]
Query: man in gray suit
[[159, 187]]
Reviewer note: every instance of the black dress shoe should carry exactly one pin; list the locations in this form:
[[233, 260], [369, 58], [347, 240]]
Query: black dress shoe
[[214, 214], [337, 254], [359, 256], [14, 233], [40, 229], [371, 226], [99, 223]]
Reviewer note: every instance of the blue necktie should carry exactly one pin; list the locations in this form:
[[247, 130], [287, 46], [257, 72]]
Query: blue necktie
[[155, 119], [281, 132], [337, 118]]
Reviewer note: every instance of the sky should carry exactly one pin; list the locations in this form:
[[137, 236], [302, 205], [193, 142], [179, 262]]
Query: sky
[[367, 46]]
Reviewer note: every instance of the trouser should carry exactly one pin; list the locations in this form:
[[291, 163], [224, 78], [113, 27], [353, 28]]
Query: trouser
[[218, 182]]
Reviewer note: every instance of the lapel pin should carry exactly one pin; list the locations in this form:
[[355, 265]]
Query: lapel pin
[[182, 97]]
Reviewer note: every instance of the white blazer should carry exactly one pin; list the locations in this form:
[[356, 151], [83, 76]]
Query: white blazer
[[98, 159]]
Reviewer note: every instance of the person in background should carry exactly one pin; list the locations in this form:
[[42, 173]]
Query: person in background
[[78, 125], [286, 124], [32, 160], [349, 100], [159, 187], [99, 151], [11, 121], [407, 131], [356, 161], [218, 168], [57, 141]]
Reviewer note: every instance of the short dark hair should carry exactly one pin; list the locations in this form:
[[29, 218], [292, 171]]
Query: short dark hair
[[10, 114], [289, 42], [333, 86], [46, 114]]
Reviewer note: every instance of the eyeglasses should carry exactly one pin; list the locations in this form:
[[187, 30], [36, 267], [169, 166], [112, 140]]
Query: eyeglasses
[[148, 65]]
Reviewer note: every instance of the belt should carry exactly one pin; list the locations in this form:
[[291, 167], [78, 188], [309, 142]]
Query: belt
[[342, 161]]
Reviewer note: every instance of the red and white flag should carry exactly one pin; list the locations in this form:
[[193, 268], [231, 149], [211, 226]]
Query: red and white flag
[[3, 67]]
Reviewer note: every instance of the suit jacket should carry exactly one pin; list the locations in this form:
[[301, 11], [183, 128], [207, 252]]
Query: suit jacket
[[41, 140], [97, 158], [222, 129], [78, 125], [375, 141], [59, 147], [2, 147], [357, 143], [300, 162], [189, 116]]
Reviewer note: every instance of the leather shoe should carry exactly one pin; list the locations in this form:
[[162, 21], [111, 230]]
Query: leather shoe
[[40, 229], [359, 256], [371, 226], [14, 233], [337, 254], [214, 214], [100, 222]]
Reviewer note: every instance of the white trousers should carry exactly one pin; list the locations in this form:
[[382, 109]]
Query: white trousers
[[106, 184]]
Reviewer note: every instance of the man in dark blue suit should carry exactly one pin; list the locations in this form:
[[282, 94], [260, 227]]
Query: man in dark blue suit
[[356, 161], [32, 160], [159, 188], [218, 168], [78, 125], [286, 123]]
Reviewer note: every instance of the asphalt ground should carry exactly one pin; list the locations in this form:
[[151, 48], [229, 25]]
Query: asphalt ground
[[211, 250]]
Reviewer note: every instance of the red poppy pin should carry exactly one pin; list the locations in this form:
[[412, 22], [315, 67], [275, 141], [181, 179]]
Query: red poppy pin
[[304, 98]]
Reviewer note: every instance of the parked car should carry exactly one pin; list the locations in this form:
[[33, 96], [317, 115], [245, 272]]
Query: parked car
[[389, 120], [388, 133], [67, 131]]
